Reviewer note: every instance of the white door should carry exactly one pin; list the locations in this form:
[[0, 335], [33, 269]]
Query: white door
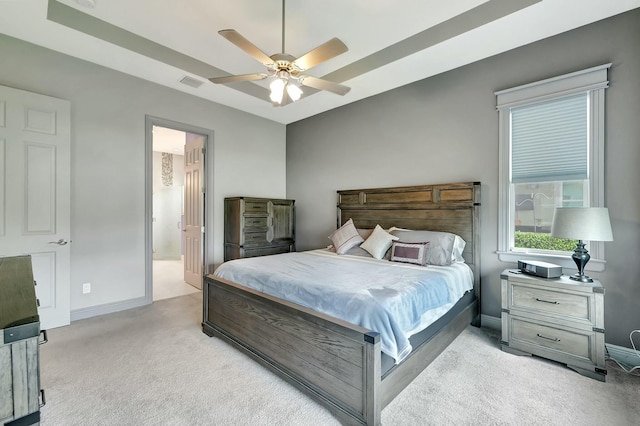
[[34, 194], [193, 209], [167, 223]]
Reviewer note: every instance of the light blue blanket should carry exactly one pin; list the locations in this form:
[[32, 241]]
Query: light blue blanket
[[394, 299]]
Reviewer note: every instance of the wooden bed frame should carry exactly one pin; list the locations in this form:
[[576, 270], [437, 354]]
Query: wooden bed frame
[[338, 363]]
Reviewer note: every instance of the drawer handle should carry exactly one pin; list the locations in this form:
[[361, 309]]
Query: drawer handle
[[547, 301], [44, 337], [553, 339], [42, 398]]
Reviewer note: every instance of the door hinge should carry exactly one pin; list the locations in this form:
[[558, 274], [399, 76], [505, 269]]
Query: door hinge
[[598, 330]]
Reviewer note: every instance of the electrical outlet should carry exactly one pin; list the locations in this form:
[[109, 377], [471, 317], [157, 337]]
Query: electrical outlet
[[86, 288]]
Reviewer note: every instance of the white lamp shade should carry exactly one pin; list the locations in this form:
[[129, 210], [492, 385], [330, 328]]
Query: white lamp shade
[[582, 223]]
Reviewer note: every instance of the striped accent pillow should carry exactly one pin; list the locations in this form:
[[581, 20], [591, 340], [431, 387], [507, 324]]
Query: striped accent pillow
[[415, 253], [345, 237]]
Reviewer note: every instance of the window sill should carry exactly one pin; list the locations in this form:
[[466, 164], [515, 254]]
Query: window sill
[[594, 265]]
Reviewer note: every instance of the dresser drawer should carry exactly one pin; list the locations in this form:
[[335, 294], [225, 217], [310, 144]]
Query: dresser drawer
[[253, 252], [255, 238], [255, 207], [237, 252], [256, 222], [534, 337], [545, 300]]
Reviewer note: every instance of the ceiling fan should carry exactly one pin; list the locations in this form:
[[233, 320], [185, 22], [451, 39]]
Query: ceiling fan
[[286, 70]]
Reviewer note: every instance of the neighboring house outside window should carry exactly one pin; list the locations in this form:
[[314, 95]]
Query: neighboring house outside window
[[551, 155]]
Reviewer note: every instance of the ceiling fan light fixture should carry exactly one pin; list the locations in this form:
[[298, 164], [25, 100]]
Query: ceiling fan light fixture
[[277, 89], [294, 92], [286, 69]]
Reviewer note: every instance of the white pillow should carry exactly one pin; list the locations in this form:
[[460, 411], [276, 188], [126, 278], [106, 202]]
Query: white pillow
[[378, 242], [345, 237]]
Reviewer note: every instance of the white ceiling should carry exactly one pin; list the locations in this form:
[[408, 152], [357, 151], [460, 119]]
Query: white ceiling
[[168, 140], [391, 42]]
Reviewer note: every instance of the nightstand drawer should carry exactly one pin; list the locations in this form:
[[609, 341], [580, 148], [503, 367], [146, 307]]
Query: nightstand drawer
[[533, 337], [544, 300]]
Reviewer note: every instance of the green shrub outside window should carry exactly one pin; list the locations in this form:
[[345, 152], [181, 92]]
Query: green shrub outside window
[[543, 242]]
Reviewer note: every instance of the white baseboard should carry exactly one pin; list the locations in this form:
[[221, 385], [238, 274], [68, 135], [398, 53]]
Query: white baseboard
[[625, 355], [108, 308]]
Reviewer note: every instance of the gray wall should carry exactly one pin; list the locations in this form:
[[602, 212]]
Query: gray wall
[[108, 112], [445, 129]]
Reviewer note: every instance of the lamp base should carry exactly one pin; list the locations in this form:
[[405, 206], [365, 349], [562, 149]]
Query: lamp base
[[581, 257], [581, 278]]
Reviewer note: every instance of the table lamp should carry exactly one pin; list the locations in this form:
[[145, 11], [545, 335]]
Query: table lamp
[[581, 223]]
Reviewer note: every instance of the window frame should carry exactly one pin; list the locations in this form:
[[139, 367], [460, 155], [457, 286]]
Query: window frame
[[594, 81]]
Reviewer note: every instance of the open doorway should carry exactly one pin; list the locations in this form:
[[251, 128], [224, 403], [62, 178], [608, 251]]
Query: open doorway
[[178, 245], [168, 213]]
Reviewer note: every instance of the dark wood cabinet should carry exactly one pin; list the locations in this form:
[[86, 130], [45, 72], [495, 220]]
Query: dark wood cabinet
[[20, 391], [258, 227]]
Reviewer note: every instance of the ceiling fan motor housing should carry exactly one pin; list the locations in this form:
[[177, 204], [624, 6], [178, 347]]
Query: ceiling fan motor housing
[[284, 62]]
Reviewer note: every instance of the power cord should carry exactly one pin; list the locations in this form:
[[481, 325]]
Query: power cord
[[621, 365]]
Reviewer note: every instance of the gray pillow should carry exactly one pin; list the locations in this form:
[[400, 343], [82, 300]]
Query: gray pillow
[[445, 248]]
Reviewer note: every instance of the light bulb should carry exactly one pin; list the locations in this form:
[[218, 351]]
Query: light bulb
[[294, 92], [277, 90]]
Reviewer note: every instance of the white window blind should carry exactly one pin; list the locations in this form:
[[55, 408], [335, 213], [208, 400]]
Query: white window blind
[[550, 140]]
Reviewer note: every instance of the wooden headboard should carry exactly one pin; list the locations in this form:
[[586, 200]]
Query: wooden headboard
[[453, 207]]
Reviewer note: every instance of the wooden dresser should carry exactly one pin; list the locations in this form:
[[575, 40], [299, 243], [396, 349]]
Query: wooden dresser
[[558, 318], [258, 227], [20, 391]]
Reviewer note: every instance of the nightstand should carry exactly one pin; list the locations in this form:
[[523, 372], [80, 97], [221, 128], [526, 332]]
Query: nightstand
[[557, 318]]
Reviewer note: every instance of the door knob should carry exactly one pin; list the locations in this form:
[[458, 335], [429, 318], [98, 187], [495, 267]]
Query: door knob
[[60, 242]]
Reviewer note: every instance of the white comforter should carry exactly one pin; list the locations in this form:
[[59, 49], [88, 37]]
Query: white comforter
[[395, 299]]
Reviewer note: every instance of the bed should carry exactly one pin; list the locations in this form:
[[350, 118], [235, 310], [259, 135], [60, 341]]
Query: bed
[[337, 362]]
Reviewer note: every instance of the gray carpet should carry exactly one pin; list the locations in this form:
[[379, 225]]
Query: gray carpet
[[154, 366]]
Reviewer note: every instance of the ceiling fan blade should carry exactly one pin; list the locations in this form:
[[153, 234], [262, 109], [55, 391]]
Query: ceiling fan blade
[[234, 37], [324, 52], [237, 78], [318, 83]]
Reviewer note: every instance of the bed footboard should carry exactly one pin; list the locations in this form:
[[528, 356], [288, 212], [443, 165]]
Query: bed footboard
[[337, 363]]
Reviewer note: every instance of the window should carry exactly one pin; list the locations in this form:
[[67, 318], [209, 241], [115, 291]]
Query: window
[[551, 155]]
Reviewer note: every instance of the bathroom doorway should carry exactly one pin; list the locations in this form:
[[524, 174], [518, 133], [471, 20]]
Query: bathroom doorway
[[168, 214]]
